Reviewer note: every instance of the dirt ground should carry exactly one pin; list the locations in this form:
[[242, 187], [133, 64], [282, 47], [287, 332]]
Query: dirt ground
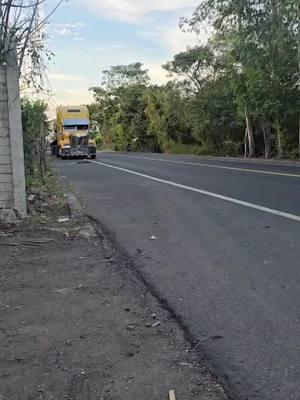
[[77, 324]]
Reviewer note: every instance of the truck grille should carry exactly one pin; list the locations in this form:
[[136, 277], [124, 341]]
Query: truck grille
[[79, 141]]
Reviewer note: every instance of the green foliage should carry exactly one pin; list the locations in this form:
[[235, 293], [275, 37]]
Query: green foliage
[[196, 65], [167, 112], [119, 106], [180, 148], [239, 91], [124, 75], [214, 118], [259, 45], [35, 131], [98, 140]]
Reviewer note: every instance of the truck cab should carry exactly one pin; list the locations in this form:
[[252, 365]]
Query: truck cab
[[72, 129]]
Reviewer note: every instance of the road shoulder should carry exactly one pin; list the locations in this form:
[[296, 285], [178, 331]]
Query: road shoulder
[[77, 323]]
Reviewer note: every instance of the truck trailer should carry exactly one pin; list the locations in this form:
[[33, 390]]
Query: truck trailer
[[72, 133]]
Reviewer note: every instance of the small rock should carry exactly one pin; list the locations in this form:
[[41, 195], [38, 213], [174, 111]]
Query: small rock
[[62, 291], [88, 232], [186, 364], [131, 327], [79, 286], [156, 324], [63, 219], [148, 324], [8, 216], [31, 198], [153, 237], [217, 337]]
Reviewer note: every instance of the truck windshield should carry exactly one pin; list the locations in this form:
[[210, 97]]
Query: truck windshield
[[76, 127]]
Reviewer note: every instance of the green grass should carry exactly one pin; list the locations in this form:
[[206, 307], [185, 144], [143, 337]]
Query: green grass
[[179, 148]]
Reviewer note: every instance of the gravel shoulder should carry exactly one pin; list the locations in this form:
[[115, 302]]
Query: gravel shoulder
[[77, 323]]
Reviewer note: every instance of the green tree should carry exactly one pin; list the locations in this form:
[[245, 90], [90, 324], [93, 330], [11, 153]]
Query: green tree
[[239, 93], [119, 105], [260, 39], [167, 113], [196, 66], [35, 131], [125, 75], [215, 119]]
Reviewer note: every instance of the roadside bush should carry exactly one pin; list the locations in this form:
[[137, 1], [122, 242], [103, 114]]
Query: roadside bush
[[35, 131], [98, 140]]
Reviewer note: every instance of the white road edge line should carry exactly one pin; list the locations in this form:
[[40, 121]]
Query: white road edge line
[[259, 161], [257, 171], [204, 192]]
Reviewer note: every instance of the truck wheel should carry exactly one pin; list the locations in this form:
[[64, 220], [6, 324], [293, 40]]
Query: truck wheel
[[93, 156]]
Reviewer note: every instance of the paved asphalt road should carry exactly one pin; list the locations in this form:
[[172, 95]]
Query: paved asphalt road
[[226, 257]]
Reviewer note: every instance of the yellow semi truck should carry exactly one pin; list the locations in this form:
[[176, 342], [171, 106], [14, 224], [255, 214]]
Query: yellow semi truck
[[72, 133]]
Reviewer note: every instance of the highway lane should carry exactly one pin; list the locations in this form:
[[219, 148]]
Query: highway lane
[[230, 272], [262, 186]]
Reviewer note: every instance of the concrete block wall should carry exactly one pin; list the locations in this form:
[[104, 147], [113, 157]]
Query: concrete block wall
[[6, 179], [12, 171]]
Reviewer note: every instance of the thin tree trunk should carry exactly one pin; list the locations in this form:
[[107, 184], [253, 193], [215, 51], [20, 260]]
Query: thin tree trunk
[[250, 135], [246, 143], [215, 143], [266, 128], [43, 159], [279, 141]]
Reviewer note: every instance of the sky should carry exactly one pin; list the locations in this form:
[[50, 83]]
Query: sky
[[88, 36]]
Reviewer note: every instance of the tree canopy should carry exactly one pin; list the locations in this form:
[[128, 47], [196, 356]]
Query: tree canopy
[[238, 94]]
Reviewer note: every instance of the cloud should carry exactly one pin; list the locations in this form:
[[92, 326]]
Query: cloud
[[171, 37], [74, 96], [65, 32], [135, 11], [73, 25], [68, 29], [157, 74], [66, 77]]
